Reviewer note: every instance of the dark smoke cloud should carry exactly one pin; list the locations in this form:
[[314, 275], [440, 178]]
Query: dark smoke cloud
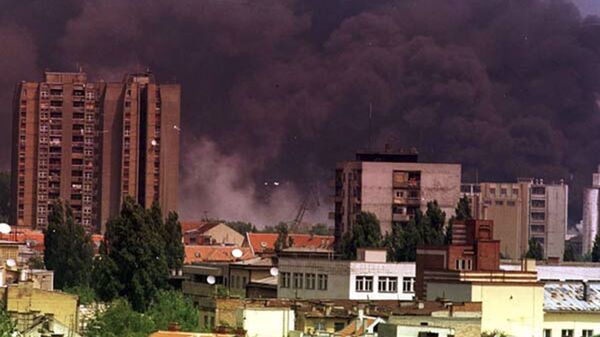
[[280, 90]]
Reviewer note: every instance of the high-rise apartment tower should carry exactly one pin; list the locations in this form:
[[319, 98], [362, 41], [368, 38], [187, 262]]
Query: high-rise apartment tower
[[91, 144]]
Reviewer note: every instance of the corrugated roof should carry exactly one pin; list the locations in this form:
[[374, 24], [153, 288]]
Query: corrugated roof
[[568, 296]]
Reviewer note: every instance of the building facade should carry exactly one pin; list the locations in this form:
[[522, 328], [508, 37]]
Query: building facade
[[526, 209], [91, 144], [393, 187], [368, 278]]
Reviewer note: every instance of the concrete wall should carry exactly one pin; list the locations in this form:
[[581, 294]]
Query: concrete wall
[[510, 214], [557, 197], [338, 275], [575, 321], [439, 182], [464, 327], [268, 322], [392, 330], [24, 299], [399, 270], [514, 309]]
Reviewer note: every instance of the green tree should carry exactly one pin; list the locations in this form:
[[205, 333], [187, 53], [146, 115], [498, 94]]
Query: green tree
[[535, 251], [596, 249], [570, 254], [120, 320], [36, 262], [106, 283], [365, 233], [174, 249], [86, 294], [423, 229], [7, 325], [242, 227], [68, 248], [462, 213], [134, 261], [171, 306], [4, 196]]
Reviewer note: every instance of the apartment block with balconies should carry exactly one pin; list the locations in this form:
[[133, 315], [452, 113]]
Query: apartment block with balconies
[[393, 186]]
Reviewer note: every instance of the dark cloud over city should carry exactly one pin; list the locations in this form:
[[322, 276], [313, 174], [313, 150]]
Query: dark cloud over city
[[278, 91]]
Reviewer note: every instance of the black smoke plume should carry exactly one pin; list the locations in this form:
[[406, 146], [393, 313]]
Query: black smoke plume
[[278, 91]]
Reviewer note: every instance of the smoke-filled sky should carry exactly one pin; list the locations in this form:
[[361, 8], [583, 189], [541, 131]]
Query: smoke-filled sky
[[279, 90]]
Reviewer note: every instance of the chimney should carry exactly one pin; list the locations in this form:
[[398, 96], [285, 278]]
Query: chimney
[[586, 290], [174, 326]]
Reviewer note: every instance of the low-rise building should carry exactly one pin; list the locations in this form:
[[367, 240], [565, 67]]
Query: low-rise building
[[195, 254], [572, 309], [368, 278], [397, 330], [210, 233], [21, 300]]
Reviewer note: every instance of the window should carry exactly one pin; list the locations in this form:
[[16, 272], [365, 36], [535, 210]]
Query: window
[[364, 283], [547, 332], [323, 278], [567, 333], [297, 280], [499, 203], [538, 215], [285, 280], [510, 203], [337, 326], [310, 281], [388, 284], [408, 284], [493, 191], [587, 333], [539, 190], [538, 203], [503, 191]]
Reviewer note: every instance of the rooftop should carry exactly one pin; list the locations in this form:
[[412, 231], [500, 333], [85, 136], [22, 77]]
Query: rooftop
[[195, 254], [569, 297], [265, 242]]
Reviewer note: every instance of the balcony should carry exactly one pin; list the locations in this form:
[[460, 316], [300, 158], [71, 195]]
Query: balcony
[[412, 201], [410, 184]]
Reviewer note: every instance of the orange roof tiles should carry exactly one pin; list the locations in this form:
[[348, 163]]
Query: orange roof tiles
[[195, 253], [265, 242], [35, 239]]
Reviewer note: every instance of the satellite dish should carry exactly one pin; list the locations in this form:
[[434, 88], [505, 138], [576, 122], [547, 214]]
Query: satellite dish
[[211, 279], [11, 263], [154, 142], [237, 253], [274, 271], [4, 228]]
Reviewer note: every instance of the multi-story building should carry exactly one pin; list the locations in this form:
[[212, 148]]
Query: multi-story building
[[393, 186], [591, 207], [91, 144], [370, 277], [526, 209]]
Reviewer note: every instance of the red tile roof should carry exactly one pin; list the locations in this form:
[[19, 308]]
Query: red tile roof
[[265, 242], [35, 239], [195, 253]]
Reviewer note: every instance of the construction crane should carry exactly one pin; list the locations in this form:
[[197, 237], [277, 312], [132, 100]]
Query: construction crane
[[309, 201]]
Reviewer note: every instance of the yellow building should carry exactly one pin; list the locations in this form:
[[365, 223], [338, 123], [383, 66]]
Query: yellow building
[[511, 302], [23, 298], [572, 309]]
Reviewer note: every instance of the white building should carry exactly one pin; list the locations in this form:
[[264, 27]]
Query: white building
[[368, 278], [591, 204]]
